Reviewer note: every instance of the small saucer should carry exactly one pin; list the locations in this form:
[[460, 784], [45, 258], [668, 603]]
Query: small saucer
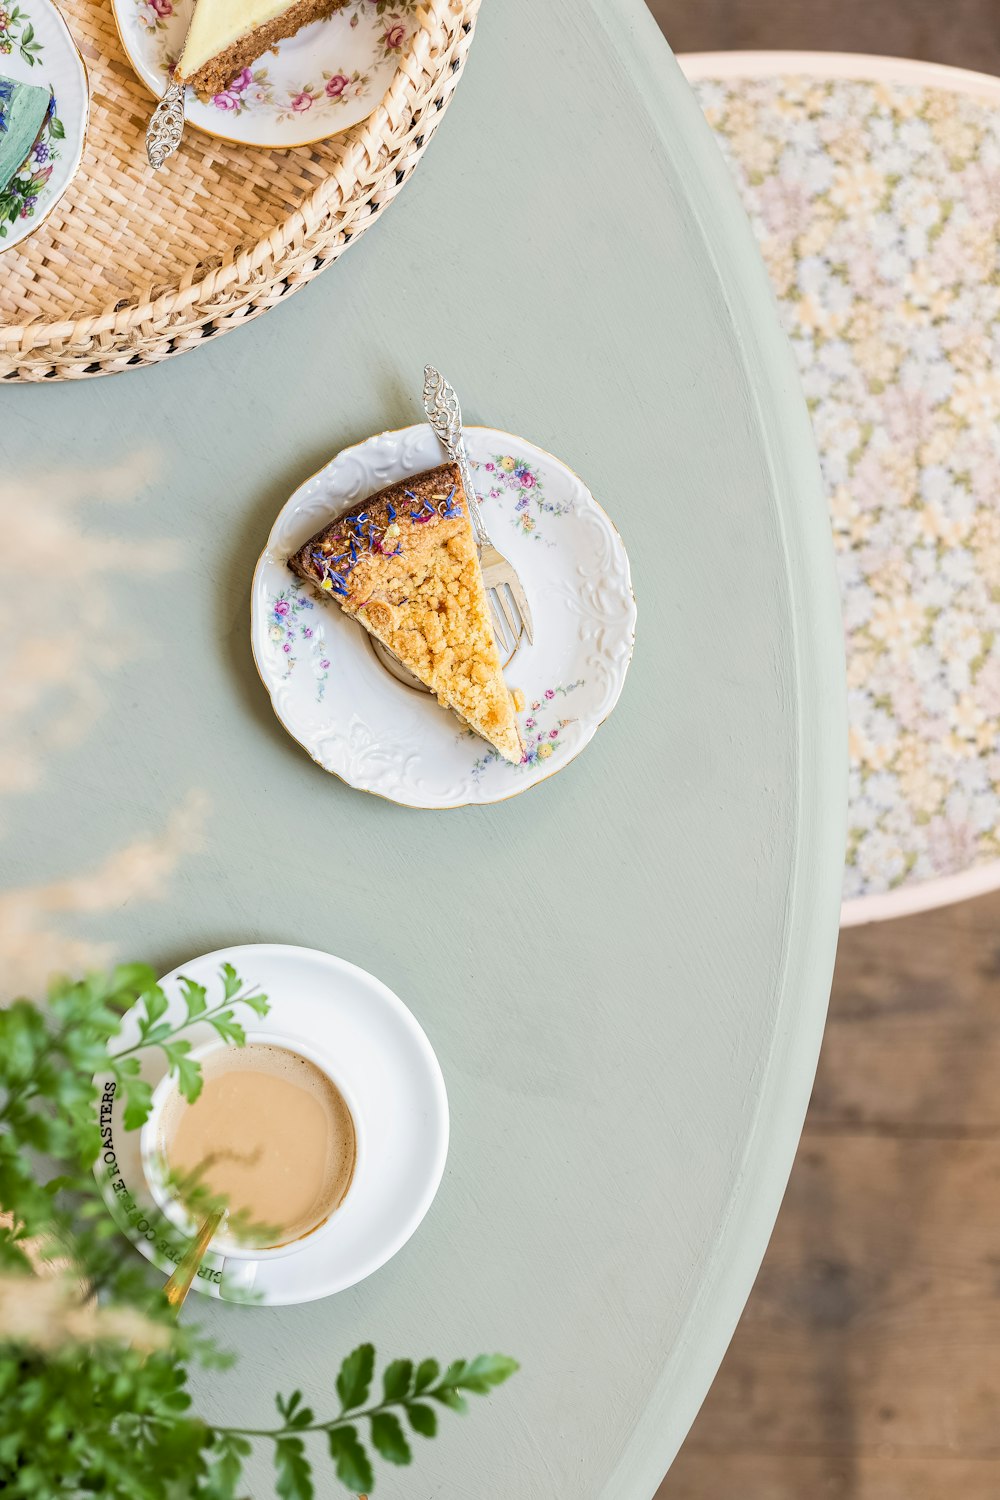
[[359, 720], [393, 1073], [323, 80], [36, 47]]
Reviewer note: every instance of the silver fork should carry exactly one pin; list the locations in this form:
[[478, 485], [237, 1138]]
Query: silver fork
[[508, 601]]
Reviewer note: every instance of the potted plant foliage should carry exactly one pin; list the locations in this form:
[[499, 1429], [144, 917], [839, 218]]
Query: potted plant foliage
[[93, 1366]]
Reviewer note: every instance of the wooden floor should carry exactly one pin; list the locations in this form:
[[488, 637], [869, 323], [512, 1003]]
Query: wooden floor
[[965, 33], [867, 1363]]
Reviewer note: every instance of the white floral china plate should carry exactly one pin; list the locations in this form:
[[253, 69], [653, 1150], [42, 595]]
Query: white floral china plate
[[328, 77], [384, 1059], [333, 695], [36, 47]]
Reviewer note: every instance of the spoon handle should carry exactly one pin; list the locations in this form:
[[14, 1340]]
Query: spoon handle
[[179, 1284]]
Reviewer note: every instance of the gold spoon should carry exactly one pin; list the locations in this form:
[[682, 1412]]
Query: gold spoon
[[179, 1284]]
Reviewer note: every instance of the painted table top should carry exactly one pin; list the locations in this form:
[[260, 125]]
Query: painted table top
[[624, 974]]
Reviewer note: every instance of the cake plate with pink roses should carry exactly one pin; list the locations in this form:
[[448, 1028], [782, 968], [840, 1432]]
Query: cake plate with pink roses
[[328, 77]]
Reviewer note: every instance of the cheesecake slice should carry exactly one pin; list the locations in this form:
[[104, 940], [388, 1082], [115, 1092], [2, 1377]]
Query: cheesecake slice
[[226, 36], [404, 565]]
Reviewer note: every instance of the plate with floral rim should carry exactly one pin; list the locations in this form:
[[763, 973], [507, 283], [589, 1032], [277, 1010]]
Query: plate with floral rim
[[358, 721], [326, 78], [36, 47]]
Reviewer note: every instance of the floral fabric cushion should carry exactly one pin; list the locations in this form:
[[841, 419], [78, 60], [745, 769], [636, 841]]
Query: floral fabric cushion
[[877, 208]]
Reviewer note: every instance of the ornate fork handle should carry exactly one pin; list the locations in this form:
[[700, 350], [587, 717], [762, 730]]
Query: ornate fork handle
[[166, 125], [445, 416]]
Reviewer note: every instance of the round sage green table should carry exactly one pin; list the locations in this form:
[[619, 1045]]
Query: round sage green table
[[624, 974]]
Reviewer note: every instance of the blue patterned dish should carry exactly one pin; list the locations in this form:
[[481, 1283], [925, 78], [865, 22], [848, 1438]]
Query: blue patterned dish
[[36, 48]]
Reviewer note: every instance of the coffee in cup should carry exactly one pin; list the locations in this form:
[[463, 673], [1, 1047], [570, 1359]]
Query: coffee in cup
[[270, 1134]]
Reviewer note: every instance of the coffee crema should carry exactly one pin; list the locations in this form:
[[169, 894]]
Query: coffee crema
[[270, 1133]]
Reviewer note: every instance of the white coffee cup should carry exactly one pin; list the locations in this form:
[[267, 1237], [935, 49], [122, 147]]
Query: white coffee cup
[[240, 1262]]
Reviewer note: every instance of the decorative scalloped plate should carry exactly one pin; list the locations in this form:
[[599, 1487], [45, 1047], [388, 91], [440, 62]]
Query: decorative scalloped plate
[[36, 47], [356, 720], [315, 84]]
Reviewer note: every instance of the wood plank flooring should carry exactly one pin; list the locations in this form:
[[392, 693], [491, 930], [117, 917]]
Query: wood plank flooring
[[867, 1363], [964, 33]]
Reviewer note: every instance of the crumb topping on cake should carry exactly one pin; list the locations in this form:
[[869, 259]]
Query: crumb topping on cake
[[405, 565]]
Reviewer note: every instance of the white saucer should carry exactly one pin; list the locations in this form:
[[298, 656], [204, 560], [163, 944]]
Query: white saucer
[[391, 1069], [355, 719], [323, 80], [36, 47]]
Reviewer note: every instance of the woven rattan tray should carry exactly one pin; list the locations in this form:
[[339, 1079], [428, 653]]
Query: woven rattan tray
[[131, 267]]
